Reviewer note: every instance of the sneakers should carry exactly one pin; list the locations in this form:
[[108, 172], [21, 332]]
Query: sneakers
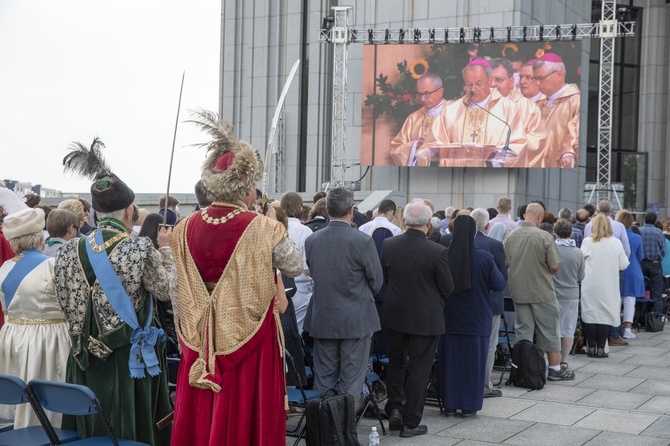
[[560, 375], [493, 393], [617, 342], [628, 334]]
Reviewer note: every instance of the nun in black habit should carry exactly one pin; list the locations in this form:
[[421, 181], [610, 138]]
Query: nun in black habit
[[463, 349]]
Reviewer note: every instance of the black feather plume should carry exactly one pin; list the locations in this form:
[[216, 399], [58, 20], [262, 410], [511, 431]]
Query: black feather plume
[[86, 162]]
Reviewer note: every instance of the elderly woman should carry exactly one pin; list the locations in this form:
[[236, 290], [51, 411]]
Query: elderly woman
[[34, 342], [566, 283], [463, 349], [604, 257], [632, 280]]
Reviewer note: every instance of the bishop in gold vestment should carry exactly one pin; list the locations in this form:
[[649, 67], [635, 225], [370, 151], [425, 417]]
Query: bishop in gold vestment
[[560, 113], [423, 128], [468, 124]]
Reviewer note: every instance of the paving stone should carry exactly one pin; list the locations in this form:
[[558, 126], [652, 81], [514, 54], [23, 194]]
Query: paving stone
[[615, 400], [504, 407], [619, 439], [649, 372], [562, 394], [554, 413], [427, 440], [638, 349], [550, 435], [654, 387], [621, 383], [660, 428], [618, 421], [607, 368], [659, 404], [487, 429], [659, 361]]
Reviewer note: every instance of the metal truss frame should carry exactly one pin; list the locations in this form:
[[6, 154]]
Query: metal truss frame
[[340, 36]]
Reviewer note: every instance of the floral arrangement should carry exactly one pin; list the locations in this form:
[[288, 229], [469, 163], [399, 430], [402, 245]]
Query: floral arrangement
[[397, 100]]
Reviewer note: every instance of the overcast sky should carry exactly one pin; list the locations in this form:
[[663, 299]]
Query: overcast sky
[[74, 69]]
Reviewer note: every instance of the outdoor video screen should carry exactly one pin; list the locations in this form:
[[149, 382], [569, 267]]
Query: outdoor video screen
[[471, 105]]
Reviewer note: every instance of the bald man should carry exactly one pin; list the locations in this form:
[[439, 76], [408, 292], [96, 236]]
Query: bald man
[[532, 260]]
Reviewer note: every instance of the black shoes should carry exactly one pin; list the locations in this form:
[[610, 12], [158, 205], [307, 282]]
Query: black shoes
[[407, 432], [395, 420], [468, 413]]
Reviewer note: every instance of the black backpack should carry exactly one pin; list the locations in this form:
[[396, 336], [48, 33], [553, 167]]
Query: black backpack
[[529, 369], [331, 420]]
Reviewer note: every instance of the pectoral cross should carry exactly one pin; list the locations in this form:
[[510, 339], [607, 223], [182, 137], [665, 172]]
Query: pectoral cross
[[474, 135]]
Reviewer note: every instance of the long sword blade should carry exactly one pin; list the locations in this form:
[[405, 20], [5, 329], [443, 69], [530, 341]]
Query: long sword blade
[[174, 140], [273, 129]]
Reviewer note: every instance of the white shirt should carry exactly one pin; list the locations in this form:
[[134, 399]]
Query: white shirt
[[384, 222], [298, 233]]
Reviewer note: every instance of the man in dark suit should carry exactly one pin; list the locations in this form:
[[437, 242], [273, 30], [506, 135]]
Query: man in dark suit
[[341, 316], [496, 248], [417, 272]]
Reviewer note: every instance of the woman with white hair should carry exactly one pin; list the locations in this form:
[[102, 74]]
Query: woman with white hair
[[34, 341]]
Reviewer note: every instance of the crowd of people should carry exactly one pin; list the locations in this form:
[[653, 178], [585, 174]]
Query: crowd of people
[[101, 293]]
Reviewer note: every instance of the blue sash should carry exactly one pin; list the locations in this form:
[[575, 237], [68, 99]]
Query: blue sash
[[143, 340], [30, 260]]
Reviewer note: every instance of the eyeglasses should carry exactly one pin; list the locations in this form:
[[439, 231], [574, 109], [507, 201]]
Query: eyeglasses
[[542, 78], [526, 77], [76, 228], [425, 94]]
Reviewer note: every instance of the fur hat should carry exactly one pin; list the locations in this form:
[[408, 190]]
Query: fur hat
[[232, 166], [27, 221], [108, 192]]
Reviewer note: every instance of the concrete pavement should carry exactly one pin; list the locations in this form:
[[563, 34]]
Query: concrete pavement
[[620, 400]]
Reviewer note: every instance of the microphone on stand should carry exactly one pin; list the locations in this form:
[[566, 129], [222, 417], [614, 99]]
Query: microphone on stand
[[506, 150]]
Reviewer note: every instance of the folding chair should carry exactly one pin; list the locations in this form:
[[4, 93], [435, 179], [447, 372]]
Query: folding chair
[[434, 392], [505, 353], [376, 394], [298, 397], [173, 372], [14, 391], [73, 399]]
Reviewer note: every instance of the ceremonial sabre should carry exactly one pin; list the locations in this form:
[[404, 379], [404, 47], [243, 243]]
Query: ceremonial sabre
[[174, 140], [271, 136]]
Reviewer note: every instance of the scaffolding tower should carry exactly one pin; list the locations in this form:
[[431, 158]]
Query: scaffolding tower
[[340, 36]]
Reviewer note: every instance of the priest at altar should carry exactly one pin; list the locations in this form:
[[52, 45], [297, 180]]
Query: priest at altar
[[467, 122]]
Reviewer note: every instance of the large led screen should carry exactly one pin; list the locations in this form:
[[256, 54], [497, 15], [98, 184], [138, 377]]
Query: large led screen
[[471, 105]]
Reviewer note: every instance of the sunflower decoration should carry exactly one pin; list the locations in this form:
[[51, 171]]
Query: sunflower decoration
[[509, 50], [418, 68]]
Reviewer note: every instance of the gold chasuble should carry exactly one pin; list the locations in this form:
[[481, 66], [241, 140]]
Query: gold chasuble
[[561, 121], [530, 116], [468, 124], [422, 123]]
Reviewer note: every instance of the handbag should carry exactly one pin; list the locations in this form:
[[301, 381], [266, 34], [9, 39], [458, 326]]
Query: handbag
[[653, 321]]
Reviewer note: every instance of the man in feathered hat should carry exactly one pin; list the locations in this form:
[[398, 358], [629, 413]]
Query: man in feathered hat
[[560, 113], [230, 388], [105, 283]]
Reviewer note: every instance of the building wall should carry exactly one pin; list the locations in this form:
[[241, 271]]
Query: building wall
[[259, 47]]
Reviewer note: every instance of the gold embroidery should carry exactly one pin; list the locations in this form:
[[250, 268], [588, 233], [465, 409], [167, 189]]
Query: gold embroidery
[[474, 126], [15, 321], [99, 248], [427, 124]]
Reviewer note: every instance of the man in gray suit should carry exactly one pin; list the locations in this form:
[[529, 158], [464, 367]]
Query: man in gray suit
[[341, 316]]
